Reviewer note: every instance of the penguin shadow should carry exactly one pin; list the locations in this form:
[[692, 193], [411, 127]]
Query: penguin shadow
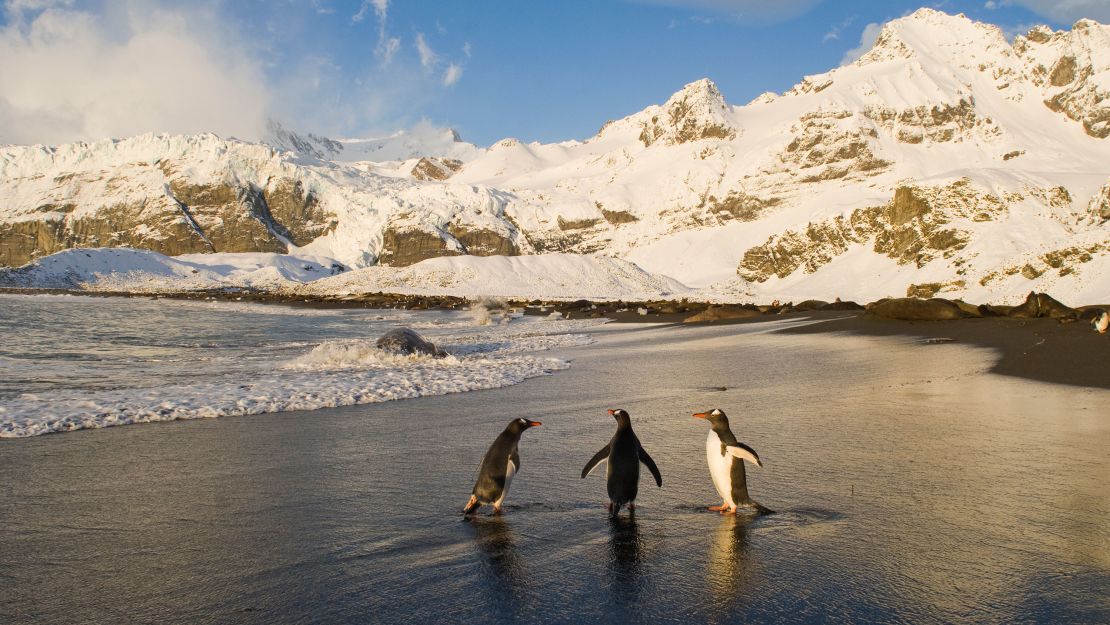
[[501, 560], [626, 556]]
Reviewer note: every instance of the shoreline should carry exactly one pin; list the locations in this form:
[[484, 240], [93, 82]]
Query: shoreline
[[1039, 349]]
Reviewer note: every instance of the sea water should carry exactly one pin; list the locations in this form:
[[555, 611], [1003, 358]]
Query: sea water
[[70, 363]]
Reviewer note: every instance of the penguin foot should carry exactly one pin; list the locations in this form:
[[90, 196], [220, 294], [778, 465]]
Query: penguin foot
[[720, 508], [631, 507], [497, 510], [471, 505]]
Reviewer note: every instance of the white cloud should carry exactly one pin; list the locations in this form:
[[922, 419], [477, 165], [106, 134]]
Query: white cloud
[[866, 41], [756, 11], [452, 75], [16, 8], [387, 48], [834, 32], [428, 57], [74, 75], [1061, 11], [381, 9], [466, 49]]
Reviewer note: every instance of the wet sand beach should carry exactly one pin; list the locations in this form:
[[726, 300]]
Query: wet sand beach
[[910, 484]]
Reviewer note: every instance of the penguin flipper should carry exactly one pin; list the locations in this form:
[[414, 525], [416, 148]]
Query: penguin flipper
[[650, 464], [742, 451], [515, 459], [598, 458]]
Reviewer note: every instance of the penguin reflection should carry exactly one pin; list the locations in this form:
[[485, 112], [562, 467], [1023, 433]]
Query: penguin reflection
[[625, 557], [502, 568], [729, 567]]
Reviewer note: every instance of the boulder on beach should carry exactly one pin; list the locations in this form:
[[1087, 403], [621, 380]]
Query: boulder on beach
[[406, 341], [721, 313], [913, 309], [811, 304], [1043, 305]]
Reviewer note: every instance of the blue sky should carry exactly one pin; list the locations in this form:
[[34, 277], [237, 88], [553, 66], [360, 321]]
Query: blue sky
[[535, 70]]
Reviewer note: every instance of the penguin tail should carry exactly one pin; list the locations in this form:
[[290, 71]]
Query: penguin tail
[[471, 505], [762, 509]]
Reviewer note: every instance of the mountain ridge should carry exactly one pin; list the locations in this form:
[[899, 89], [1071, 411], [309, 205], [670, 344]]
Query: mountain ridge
[[945, 156]]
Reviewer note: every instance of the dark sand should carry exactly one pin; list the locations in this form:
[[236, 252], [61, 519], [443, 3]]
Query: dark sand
[[1034, 349]]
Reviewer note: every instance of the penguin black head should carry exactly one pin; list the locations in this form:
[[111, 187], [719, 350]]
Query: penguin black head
[[714, 417], [621, 416], [521, 424]]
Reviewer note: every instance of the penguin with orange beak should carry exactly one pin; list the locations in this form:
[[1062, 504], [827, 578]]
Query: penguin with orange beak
[[726, 457], [500, 464]]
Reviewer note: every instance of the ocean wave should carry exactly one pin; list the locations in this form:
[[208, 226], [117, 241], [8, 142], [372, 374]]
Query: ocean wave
[[333, 373], [32, 415]]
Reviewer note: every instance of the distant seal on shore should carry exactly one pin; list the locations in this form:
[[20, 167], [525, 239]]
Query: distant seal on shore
[[407, 341], [913, 309], [623, 456], [1043, 305], [499, 465], [726, 457]]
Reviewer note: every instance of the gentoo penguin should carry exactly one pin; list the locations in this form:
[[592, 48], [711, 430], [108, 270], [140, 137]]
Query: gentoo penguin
[[1101, 322], [623, 456], [501, 462], [726, 457]]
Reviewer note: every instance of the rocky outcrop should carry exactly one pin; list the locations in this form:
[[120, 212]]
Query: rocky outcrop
[[435, 168], [696, 112], [1066, 65], [483, 242], [296, 214], [403, 246], [829, 145], [914, 227], [938, 123]]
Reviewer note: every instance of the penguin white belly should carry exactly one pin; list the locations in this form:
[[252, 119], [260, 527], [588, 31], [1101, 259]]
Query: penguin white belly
[[509, 472], [720, 467]]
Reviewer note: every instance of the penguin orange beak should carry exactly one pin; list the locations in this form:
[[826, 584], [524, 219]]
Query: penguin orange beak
[[699, 415], [611, 411], [534, 423]]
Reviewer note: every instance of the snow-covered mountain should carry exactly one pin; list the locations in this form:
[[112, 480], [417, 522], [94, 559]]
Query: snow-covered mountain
[[945, 160], [422, 140]]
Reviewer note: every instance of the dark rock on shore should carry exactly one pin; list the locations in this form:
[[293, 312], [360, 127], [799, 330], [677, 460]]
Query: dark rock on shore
[[406, 341]]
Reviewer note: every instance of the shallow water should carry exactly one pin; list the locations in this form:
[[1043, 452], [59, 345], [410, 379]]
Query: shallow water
[[910, 487]]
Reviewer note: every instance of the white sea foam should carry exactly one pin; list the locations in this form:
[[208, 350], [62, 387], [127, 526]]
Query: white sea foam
[[336, 372]]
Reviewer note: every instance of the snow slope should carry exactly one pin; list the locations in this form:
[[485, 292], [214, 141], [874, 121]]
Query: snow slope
[[547, 276]]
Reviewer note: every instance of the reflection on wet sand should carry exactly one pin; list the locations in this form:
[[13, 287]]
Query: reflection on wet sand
[[502, 568], [625, 558], [728, 567]]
